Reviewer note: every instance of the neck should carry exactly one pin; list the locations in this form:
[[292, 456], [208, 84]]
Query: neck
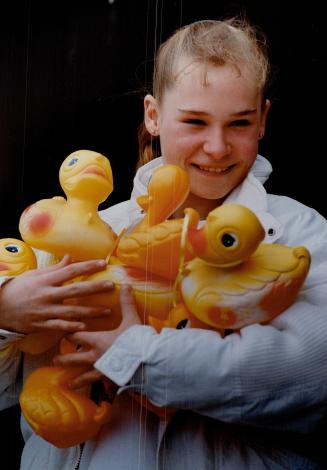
[[202, 206], [87, 205]]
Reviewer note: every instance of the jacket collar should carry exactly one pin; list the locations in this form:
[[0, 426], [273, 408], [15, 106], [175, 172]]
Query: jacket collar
[[250, 193]]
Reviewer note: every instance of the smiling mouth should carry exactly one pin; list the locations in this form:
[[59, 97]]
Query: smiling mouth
[[213, 170]]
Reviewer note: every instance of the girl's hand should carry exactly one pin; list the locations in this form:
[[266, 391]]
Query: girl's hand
[[94, 344], [33, 301]]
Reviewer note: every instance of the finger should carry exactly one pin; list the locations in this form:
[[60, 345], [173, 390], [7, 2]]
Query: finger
[[75, 359], [58, 324], [128, 305], [86, 338], [81, 289], [110, 387], [86, 378], [65, 261], [75, 312], [70, 271]]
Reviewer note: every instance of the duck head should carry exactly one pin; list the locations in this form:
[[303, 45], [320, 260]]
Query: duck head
[[16, 257], [167, 190], [86, 175], [230, 235]]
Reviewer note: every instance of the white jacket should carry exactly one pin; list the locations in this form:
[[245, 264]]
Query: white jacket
[[238, 398]]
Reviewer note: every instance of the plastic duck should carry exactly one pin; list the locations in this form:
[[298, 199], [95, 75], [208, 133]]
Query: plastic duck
[[154, 244], [73, 226], [234, 280], [59, 414], [16, 257]]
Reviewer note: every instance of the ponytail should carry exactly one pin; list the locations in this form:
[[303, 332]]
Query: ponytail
[[149, 146]]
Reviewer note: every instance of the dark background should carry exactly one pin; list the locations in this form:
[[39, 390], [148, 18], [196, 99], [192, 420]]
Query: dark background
[[73, 75]]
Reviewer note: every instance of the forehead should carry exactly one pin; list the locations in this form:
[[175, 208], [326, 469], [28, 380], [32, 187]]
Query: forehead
[[198, 82]]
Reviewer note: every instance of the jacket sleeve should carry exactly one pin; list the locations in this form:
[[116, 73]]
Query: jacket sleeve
[[10, 365], [271, 375]]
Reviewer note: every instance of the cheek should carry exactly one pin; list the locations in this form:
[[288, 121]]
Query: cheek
[[247, 145], [176, 146]]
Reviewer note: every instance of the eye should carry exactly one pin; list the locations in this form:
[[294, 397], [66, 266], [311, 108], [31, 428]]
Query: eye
[[195, 122], [72, 161], [240, 123], [12, 248], [229, 240]]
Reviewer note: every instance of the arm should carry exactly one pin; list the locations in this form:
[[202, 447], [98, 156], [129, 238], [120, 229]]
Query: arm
[[10, 359], [273, 375], [34, 302]]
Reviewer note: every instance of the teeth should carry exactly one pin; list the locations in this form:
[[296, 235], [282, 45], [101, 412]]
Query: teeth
[[213, 170]]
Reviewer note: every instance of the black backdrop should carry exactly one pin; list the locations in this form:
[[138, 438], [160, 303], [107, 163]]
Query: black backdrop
[[73, 74]]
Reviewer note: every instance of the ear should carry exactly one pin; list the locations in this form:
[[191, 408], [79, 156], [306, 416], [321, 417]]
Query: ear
[[151, 115], [263, 120]]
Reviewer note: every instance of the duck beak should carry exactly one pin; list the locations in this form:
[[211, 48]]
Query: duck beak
[[197, 240]]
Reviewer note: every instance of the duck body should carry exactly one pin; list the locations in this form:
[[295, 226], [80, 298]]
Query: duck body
[[154, 295], [73, 225], [57, 413], [60, 227], [255, 291]]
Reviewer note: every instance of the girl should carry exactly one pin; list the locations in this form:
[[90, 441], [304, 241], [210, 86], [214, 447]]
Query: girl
[[235, 399]]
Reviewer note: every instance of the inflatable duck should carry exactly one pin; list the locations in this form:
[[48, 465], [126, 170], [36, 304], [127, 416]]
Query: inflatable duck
[[73, 226], [153, 244], [16, 257]]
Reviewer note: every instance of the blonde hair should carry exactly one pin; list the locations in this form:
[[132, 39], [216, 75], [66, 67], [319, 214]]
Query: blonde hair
[[234, 42]]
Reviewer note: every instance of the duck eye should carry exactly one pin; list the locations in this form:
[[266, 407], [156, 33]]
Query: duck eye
[[73, 161], [229, 240], [12, 248]]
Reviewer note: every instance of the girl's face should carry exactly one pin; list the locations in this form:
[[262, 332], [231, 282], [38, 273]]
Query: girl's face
[[209, 124]]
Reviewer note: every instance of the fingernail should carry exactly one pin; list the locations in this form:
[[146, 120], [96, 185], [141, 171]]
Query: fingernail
[[101, 262], [108, 284]]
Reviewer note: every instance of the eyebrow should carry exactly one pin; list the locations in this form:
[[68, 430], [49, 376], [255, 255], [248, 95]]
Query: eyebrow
[[246, 112]]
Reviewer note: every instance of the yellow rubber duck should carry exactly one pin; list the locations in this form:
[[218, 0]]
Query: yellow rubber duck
[[73, 226], [234, 279], [153, 245], [59, 414], [16, 257]]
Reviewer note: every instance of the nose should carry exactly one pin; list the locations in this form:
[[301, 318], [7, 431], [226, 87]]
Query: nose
[[216, 143]]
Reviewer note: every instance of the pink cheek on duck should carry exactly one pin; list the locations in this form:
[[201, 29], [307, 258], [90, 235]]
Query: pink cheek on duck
[[40, 223]]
